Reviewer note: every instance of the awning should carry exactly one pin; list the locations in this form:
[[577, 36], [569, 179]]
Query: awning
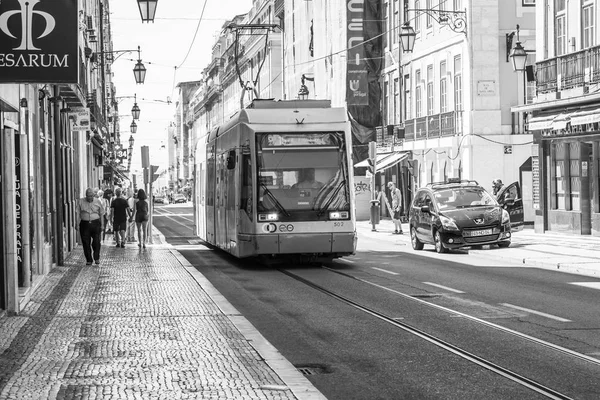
[[585, 117], [540, 123], [385, 160], [561, 121]]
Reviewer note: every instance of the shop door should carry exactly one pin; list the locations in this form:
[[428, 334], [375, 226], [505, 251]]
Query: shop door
[[586, 197]]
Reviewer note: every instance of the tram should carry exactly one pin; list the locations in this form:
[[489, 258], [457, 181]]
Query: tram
[[275, 182]]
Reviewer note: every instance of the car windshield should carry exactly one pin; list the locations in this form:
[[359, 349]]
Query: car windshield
[[463, 197]]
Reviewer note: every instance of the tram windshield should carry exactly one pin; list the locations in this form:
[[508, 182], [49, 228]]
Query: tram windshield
[[302, 172]]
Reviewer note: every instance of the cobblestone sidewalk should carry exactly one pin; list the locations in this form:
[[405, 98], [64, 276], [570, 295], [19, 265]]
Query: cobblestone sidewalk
[[138, 326]]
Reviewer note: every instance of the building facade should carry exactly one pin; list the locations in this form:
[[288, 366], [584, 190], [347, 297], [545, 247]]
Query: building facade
[[48, 160], [564, 117]]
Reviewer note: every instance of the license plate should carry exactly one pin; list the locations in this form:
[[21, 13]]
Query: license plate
[[481, 232]]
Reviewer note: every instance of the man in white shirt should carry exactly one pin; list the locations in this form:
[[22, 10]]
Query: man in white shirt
[[91, 225]]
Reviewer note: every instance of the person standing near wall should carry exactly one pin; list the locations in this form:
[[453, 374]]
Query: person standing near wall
[[91, 225], [396, 207]]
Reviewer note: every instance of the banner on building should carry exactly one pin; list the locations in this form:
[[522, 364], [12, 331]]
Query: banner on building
[[356, 75], [364, 63], [39, 41], [80, 117]]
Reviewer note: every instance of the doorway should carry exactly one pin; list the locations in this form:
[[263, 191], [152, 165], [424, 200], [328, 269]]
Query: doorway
[[586, 163]]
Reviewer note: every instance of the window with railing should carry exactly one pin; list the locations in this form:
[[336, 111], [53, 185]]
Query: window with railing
[[396, 100], [386, 100], [458, 95], [561, 35], [443, 88], [587, 23], [430, 90], [407, 98], [418, 100]]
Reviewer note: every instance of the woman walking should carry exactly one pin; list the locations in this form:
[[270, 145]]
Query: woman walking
[[141, 215]]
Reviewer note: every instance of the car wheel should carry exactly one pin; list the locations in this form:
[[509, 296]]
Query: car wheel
[[503, 245], [414, 240], [439, 246]]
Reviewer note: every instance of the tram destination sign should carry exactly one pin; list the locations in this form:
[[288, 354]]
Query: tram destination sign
[[39, 41]]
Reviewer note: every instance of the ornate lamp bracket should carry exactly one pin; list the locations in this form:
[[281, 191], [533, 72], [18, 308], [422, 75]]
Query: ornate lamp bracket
[[455, 20]]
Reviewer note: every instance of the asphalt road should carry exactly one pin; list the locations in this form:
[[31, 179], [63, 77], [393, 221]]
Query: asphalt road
[[454, 299]]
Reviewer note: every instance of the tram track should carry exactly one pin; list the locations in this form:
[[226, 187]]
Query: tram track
[[489, 365]]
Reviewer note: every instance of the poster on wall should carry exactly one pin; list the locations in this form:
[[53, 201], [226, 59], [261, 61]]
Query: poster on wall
[[80, 118], [39, 41]]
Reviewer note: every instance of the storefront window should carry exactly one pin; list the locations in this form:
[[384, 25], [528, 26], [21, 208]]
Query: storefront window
[[559, 175], [575, 180]]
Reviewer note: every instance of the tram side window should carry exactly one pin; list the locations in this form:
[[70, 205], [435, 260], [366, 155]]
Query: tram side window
[[246, 203]]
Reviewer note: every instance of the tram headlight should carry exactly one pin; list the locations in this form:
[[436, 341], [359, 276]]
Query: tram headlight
[[339, 215], [268, 217]]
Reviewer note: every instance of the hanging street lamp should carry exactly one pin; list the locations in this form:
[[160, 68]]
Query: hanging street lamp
[[518, 55], [131, 140], [135, 111], [147, 9], [139, 71], [133, 127], [407, 38]]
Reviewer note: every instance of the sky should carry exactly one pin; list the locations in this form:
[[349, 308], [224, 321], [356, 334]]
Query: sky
[[165, 44]]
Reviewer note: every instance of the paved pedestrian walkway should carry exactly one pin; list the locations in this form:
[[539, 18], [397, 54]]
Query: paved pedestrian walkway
[[144, 324], [575, 254]]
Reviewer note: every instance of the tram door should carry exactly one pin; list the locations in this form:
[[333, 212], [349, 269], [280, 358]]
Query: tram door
[[221, 189]]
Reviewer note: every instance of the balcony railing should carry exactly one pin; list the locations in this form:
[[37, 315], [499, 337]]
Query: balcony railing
[[434, 126], [579, 69]]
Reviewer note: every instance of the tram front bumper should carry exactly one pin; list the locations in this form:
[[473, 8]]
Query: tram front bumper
[[304, 243]]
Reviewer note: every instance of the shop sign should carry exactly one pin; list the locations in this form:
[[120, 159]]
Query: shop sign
[[39, 41], [121, 155], [80, 116], [18, 205]]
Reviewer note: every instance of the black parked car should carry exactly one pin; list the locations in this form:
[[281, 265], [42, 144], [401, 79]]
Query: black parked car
[[460, 213]]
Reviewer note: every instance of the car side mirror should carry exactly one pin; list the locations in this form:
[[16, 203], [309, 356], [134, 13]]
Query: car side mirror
[[425, 209], [231, 159]]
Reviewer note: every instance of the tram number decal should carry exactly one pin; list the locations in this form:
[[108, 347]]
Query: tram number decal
[[269, 228], [338, 224]]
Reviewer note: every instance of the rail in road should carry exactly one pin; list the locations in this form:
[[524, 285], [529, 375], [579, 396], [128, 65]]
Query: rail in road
[[572, 362]]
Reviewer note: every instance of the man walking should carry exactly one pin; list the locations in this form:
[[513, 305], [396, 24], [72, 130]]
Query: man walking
[[120, 212], [396, 207], [91, 224]]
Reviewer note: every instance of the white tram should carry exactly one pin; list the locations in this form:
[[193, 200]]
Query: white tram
[[276, 180]]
